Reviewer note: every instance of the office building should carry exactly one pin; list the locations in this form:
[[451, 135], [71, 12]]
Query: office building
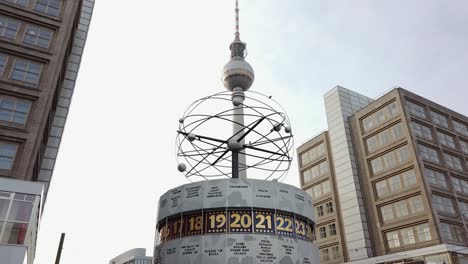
[[134, 256], [398, 176], [41, 45]]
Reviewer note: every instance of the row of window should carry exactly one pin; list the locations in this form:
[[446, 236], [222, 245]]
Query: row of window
[[24, 71], [319, 190], [444, 139], [439, 180], [396, 184], [49, 7], [380, 117], [384, 138], [390, 160], [432, 155], [315, 172], [326, 231], [446, 205], [436, 118], [324, 210], [313, 154], [408, 236], [402, 209], [33, 35], [15, 214], [329, 254]]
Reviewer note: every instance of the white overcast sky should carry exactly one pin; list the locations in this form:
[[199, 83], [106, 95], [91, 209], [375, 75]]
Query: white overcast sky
[[145, 61]]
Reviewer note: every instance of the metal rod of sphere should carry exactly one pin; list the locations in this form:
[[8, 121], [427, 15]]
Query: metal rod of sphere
[[60, 247], [235, 164]]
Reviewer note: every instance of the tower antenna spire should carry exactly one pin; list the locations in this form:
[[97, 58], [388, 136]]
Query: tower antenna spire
[[237, 34]]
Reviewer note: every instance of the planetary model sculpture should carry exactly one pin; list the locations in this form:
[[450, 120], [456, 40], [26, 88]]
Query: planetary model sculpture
[[227, 217], [203, 152]]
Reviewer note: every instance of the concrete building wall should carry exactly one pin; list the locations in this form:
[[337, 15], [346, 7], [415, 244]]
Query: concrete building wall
[[340, 104], [72, 66]]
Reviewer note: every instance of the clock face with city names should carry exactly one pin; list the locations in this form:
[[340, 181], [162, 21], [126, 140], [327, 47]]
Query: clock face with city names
[[236, 221]]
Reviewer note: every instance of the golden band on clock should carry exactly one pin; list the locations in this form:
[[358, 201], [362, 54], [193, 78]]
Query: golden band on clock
[[236, 221]]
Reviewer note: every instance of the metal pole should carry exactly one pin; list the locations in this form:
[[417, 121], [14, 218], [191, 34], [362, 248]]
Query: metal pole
[[59, 252], [235, 164]]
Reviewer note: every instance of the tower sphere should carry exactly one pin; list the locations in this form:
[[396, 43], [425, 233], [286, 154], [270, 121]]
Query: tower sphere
[[238, 73]]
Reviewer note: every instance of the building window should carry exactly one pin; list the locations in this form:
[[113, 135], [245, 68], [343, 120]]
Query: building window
[[332, 230], [429, 154], [324, 209], [324, 255], [313, 154], [380, 117], [336, 252], [384, 138], [326, 187], [37, 36], [424, 233], [416, 109], [7, 155], [8, 27], [402, 209], [416, 205], [443, 204], [14, 110], [439, 119], [464, 146], [436, 178], [422, 131], [19, 2], [460, 185], [319, 190], [461, 128], [26, 71], [446, 140], [50, 7], [463, 206], [329, 206], [390, 160], [393, 240], [315, 172], [451, 233], [323, 232], [3, 59], [396, 184], [408, 236], [387, 213], [15, 214], [320, 211], [453, 162]]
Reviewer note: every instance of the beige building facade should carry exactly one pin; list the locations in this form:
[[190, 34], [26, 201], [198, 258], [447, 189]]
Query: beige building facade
[[316, 168], [411, 158]]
